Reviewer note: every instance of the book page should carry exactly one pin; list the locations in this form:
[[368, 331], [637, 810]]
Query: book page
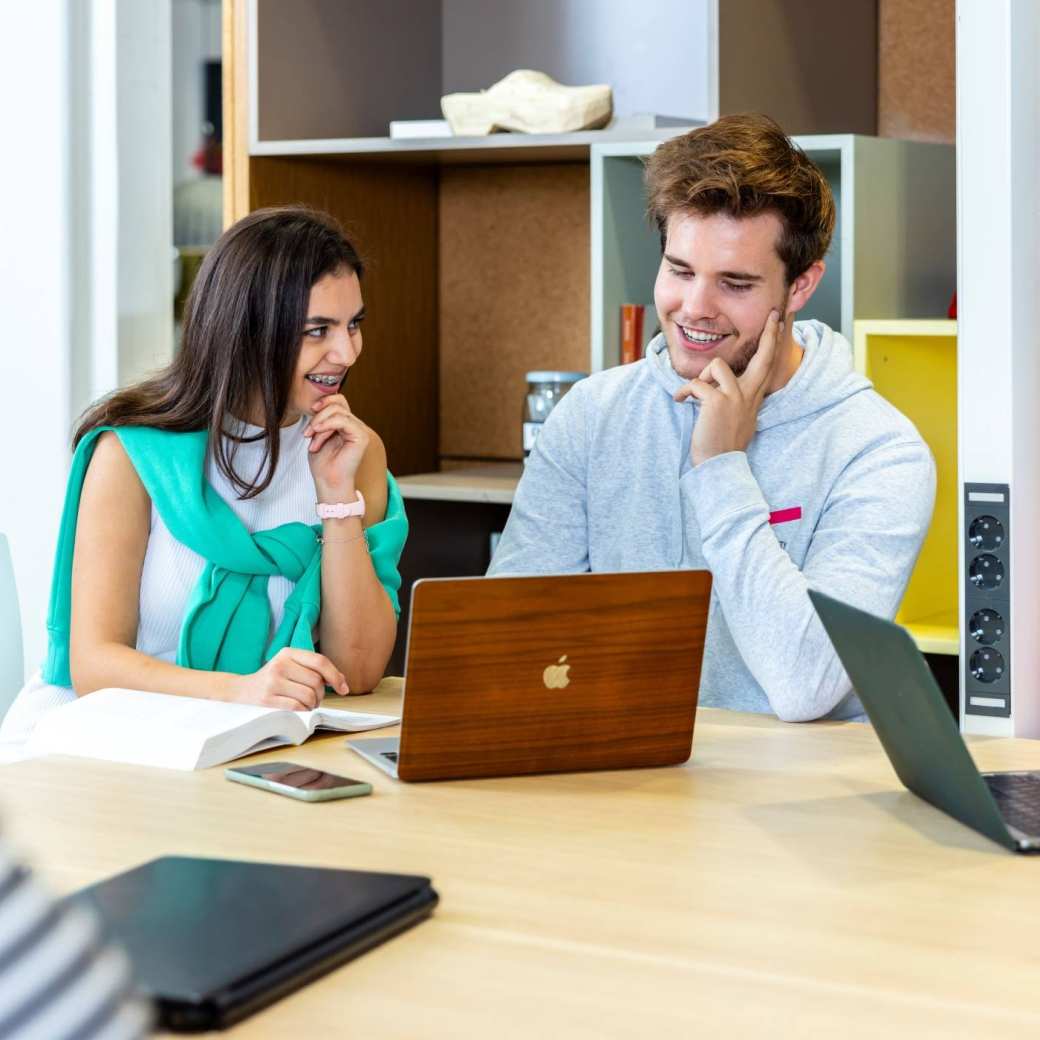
[[347, 721], [275, 728]]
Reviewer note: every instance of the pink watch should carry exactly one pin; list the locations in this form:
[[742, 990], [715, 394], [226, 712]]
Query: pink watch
[[341, 510]]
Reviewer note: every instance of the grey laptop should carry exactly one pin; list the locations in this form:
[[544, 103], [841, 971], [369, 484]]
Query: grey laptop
[[919, 734]]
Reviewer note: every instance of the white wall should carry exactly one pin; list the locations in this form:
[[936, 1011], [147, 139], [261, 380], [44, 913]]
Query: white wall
[[85, 256], [36, 296]]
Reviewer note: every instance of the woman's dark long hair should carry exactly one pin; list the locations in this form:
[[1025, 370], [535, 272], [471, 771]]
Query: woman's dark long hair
[[243, 326]]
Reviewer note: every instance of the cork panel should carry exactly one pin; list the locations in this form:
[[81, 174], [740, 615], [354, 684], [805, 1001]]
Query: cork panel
[[514, 295], [916, 70], [390, 212]]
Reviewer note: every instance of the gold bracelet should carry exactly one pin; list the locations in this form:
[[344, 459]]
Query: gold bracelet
[[342, 541]]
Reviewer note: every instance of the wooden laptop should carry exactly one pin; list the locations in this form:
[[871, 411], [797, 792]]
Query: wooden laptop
[[548, 674]]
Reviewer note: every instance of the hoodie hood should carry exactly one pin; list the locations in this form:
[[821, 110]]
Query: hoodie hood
[[824, 378]]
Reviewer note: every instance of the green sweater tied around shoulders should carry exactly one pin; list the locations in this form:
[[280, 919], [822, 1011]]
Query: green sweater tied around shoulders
[[228, 615]]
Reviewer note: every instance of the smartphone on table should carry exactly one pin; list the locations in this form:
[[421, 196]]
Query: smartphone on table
[[296, 781]]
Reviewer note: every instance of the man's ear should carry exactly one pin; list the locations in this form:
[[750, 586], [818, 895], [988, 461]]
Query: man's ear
[[800, 291]]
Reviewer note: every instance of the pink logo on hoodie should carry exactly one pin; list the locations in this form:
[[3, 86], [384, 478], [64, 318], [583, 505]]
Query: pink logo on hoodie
[[785, 516]]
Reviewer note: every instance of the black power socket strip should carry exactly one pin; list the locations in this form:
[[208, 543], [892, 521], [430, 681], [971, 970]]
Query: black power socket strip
[[987, 600]]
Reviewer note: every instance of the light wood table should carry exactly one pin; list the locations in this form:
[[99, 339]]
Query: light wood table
[[782, 883]]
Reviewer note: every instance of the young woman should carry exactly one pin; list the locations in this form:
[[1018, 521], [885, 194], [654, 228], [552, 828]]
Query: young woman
[[189, 560]]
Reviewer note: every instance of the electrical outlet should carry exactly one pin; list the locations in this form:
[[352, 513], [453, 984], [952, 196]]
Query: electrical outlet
[[987, 600]]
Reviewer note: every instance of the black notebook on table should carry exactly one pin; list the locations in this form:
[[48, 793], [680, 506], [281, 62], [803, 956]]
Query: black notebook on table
[[212, 941]]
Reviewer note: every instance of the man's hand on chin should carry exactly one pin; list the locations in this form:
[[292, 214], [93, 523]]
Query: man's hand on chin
[[730, 403]]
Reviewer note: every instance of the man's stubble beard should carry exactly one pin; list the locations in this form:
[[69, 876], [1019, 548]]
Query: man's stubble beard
[[746, 350], [741, 357]]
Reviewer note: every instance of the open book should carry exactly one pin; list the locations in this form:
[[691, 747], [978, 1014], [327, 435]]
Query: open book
[[157, 729]]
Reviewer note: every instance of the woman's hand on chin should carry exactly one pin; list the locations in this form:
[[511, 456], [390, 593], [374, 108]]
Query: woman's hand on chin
[[338, 441]]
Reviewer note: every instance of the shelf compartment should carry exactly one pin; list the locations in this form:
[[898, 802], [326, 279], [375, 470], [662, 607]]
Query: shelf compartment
[[322, 70], [491, 482], [913, 365], [936, 634]]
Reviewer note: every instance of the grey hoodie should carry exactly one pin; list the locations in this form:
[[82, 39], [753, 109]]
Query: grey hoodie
[[835, 492]]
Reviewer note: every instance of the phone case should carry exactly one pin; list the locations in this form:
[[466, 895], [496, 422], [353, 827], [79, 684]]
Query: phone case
[[353, 791]]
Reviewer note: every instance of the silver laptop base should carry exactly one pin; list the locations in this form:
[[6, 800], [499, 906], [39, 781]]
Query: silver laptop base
[[380, 751]]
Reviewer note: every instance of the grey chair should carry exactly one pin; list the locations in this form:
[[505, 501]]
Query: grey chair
[[12, 668]]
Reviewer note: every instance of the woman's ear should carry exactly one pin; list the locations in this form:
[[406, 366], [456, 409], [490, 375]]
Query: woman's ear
[[801, 289]]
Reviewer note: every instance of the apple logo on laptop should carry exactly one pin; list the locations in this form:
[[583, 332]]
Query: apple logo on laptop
[[555, 676]]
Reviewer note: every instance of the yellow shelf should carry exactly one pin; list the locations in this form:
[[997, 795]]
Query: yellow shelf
[[936, 634], [913, 364], [901, 327]]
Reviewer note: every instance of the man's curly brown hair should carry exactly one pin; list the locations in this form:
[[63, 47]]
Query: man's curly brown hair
[[743, 165]]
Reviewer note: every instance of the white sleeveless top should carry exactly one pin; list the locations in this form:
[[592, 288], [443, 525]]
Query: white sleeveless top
[[171, 569]]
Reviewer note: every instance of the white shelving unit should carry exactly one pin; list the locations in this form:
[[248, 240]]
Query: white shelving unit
[[510, 148], [893, 254], [332, 69]]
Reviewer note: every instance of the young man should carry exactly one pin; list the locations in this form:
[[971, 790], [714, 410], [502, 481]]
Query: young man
[[743, 442]]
